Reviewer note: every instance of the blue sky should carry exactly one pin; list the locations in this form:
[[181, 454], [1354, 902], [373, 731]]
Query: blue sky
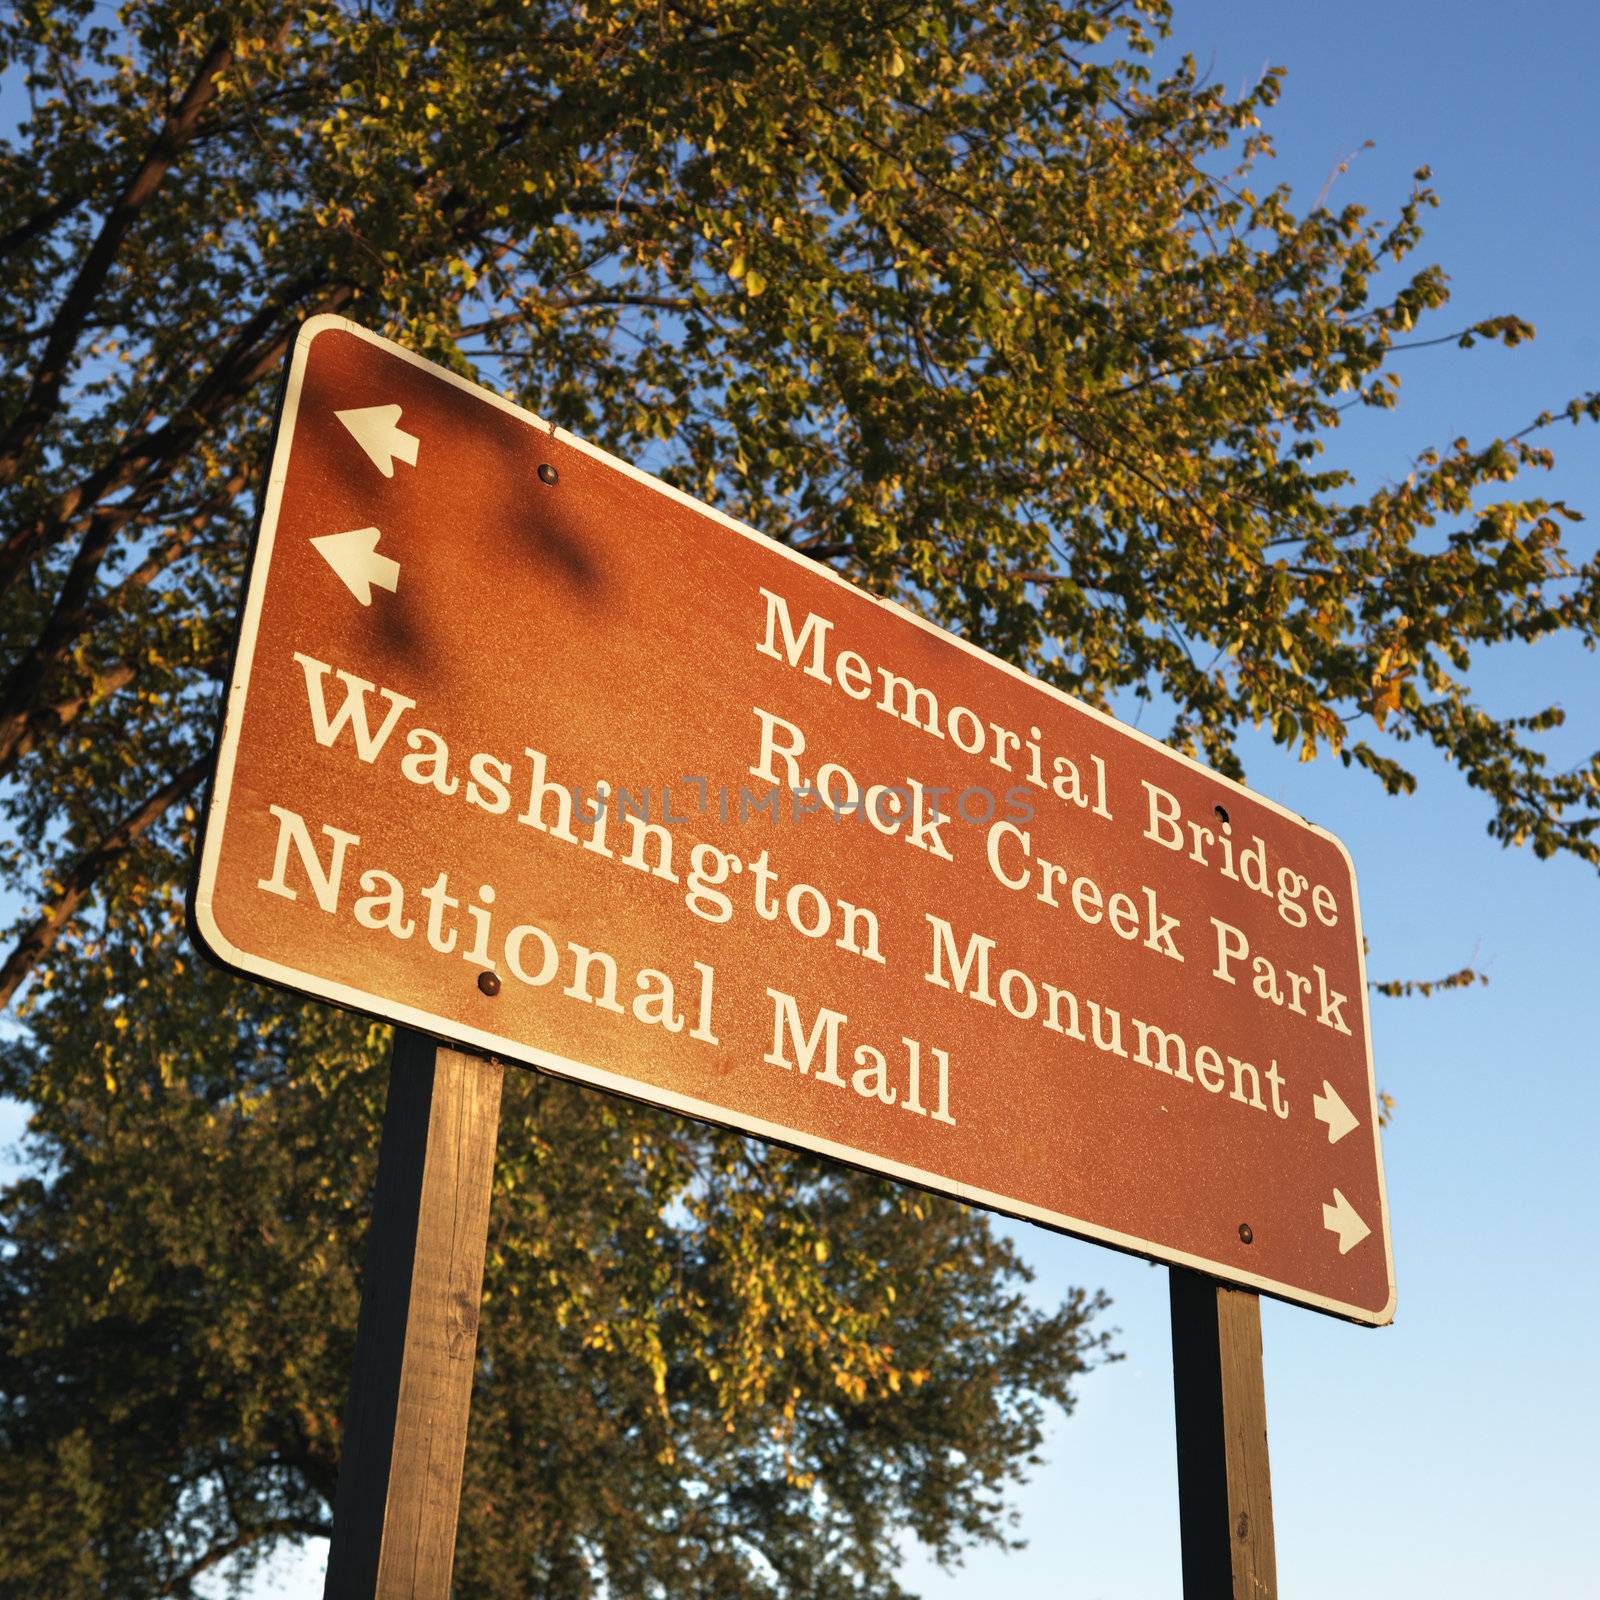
[[1455, 1451]]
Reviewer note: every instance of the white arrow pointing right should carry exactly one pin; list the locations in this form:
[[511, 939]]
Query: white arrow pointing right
[[354, 556], [1341, 1218], [377, 430], [1328, 1107]]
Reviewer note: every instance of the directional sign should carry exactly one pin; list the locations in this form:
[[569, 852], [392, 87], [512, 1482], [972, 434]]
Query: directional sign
[[534, 753]]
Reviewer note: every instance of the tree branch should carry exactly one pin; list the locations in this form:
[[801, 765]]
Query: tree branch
[[75, 614], [41, 222], [246, 360], [79, 881], [40, 402], [276, 1527], [61, 714]]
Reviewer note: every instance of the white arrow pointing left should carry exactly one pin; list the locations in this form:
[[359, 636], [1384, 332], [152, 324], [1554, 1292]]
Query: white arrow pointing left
[[1328, 1107], [377, 430], [354, 556], [1341, 1218]]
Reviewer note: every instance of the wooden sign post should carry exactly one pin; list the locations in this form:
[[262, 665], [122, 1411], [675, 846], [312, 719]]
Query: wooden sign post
[[405, 1436], [1219, 1397]]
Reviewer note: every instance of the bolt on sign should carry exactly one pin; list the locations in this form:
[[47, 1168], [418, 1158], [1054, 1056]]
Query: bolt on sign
[[528, 751]]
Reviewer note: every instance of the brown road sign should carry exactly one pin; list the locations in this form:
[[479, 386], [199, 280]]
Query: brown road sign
[[528, 751]]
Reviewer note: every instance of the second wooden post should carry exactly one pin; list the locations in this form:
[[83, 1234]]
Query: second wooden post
[[1224, 1486]]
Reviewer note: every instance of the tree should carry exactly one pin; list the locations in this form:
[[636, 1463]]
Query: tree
[[963, 300]]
